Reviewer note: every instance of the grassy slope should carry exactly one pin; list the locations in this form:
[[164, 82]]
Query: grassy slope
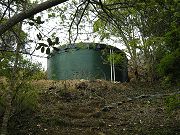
[[97, 108]]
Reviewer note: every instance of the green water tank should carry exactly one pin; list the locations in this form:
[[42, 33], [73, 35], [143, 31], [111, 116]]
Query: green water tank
[[85, 61]]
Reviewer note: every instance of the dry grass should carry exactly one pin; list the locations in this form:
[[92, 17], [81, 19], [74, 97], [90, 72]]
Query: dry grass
[[79, 107]]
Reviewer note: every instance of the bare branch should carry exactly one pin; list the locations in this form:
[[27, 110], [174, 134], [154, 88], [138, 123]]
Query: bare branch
[[7, 8], [22, 52], [28, 13], [80, 20], [75, 15]]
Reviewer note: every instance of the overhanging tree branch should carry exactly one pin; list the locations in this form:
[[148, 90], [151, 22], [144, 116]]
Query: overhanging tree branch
[[73, 20], [28, 13]]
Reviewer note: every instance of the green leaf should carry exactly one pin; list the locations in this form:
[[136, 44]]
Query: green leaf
[[48, 50], [38, 20], [30, 40], [97, 25], [51, 15], [37, 48], [63, 17], [57, 40], [39, 36], [56, 49], [31, 23], [65, 8], [42, 49], [43, 44], [49, 41]]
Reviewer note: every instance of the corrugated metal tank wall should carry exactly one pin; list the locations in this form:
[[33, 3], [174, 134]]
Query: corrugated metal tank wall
[[86, 63]]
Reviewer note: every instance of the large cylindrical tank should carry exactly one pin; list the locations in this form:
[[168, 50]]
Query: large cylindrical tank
[[86, 61]]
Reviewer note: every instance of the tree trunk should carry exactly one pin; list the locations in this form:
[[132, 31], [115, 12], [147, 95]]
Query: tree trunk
[[12, 83], [10, 89]]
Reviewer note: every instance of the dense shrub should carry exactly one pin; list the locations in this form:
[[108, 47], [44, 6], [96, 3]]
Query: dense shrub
[[24, 98], [172, 103], [169, 67]]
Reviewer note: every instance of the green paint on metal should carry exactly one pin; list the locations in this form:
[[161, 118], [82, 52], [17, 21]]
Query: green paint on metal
[[81, 64]]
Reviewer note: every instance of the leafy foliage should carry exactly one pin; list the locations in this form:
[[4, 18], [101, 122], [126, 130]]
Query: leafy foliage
[[46, 47], [150, 33], [119, 59], [25, 97], [169, 66], [172, 103], [26, 69]]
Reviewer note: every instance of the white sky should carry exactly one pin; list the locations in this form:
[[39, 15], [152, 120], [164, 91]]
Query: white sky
[[62, 34], [32, 0]]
